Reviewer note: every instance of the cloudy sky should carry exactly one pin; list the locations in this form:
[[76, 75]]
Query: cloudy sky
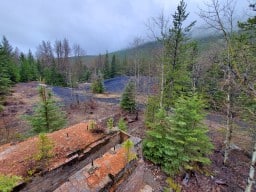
[[96, 25]]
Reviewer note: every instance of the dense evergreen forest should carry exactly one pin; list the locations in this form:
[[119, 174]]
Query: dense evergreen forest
[[214, 73]]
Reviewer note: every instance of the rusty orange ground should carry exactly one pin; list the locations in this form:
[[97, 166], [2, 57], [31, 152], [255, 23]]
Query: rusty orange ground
[[13, 158], [109, 163]]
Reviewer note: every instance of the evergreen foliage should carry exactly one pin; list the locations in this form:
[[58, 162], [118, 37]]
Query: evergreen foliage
[[85, 75], [7, 183], [113, 68], [45, 146], [127, 102], [110, 123], [53, 77], [47, 115], [122, 125], [106, 67], [151, 109], [211, 87], [177, 58], [28, 68], [97, 85], [5, 81], [155, 145], [177, 142], [172, 185], [4, 76], [128, 146], [92, 124], [12, 67]]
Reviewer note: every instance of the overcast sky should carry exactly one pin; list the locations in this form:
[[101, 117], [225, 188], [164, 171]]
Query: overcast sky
[[96, 25]]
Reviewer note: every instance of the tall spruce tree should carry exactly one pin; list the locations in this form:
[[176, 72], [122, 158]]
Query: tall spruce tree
[[12, 67], [4, 76], [177, 77], [28, 68], [33, 66], [47, 116], [179, 142]]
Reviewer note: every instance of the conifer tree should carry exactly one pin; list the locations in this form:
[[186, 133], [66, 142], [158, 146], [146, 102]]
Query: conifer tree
[[179, 141], [4, 77], [122, 125], [177, 76], [106, 69], [97, 84], [113, 67], [151, 109], [128, 98], [156, 145], [47, 116], [45, 146], [33, 66], [12, 67], [28, 68]]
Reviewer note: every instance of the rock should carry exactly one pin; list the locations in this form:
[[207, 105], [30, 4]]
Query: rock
[[146, 188], [233, 146], [185, 179], [220, 182]]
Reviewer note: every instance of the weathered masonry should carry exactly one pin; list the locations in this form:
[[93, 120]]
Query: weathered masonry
[[83, 161]]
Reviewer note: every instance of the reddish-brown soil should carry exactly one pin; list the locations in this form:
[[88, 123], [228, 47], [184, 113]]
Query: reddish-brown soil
[[22, 99], [15, 158]]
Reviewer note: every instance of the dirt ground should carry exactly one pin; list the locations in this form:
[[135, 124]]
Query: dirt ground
[[24, 97], [216, 177], [18, 103], [65, 141]]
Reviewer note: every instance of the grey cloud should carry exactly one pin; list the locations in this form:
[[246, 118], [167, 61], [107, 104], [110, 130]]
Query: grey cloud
[[97, 25]]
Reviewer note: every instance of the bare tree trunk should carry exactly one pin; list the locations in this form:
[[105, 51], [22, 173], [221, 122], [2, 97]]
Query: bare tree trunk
[[250, 180], [215, 15], [162, 84], [229, 123], [193, 79], [229, 108]]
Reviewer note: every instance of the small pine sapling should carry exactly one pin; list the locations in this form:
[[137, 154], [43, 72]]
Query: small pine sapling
[[110, 123], [172, 185], [97, 85], [122, 125], [44, 152], [127, 102], [8, 182], [45, 147], [47, 117], [92, 124], [129, 154]]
